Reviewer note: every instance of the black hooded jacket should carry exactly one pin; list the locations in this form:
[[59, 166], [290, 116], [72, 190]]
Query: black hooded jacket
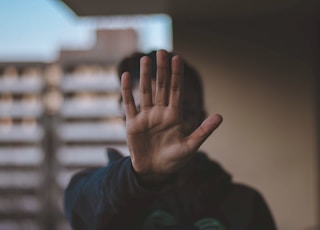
[[111, 198]]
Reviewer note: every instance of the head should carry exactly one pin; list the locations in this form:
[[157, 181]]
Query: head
[[193, 102]]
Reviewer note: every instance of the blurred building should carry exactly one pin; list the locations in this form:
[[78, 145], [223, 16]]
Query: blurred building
[[55, 119]]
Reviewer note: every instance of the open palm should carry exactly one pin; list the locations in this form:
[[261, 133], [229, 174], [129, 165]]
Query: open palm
[[157, 144]]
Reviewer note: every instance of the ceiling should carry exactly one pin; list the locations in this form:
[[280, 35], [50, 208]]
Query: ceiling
[[190, 10]]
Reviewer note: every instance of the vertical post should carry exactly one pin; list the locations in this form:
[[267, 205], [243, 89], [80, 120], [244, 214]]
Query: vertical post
[[52, 101], [49, 182]]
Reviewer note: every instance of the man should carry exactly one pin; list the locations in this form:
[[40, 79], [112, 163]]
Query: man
[[165, 183]]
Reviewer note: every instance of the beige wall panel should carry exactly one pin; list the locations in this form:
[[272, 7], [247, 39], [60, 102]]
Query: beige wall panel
[[268, 101]]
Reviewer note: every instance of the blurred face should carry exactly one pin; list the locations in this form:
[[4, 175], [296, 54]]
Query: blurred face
[[192, 105]]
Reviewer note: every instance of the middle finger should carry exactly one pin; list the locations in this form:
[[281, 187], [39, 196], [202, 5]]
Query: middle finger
[[163, 78]]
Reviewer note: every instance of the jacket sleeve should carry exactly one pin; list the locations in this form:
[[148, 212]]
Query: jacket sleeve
[[96, 199]]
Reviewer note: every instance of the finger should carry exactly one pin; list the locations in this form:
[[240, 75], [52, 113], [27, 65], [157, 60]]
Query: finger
[[198, 136], [145, 83], [127, 96], [162, 78], [176, 82]]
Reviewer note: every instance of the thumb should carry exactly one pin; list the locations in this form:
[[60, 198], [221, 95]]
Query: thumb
[[198, 136]]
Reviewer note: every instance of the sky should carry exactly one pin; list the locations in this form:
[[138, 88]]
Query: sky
[[35, 30]]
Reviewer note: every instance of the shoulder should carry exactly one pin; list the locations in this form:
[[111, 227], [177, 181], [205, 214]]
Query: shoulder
[[236, 192], [244, 193], [243, 204], [242, 197]]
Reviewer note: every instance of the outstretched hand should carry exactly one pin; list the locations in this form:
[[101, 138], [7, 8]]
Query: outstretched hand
[[157, 144]]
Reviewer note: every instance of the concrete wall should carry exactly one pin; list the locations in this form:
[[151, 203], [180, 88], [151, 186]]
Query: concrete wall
[[259, 74]]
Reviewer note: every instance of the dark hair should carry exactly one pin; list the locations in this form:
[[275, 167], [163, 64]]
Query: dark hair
[[131, 64]]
